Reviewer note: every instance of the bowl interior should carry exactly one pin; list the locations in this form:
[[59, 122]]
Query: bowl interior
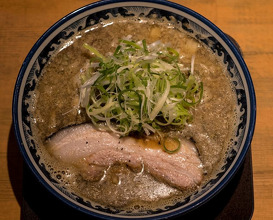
[[191, 22]]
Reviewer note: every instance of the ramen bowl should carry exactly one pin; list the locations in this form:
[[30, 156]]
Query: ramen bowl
[[86, 17]]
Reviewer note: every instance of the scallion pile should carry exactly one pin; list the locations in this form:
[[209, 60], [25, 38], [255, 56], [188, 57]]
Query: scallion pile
[[139, 88]]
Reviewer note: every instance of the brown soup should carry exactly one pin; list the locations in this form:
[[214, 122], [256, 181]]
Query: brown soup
[[56, 102]]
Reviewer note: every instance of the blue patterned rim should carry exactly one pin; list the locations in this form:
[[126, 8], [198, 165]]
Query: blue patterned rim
[[210, 35]]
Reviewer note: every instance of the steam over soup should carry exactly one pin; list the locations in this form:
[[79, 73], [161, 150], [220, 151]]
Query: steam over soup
[[149, 158]]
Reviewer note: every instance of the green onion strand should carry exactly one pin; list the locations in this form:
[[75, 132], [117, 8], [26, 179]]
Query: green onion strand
[[171, 145]]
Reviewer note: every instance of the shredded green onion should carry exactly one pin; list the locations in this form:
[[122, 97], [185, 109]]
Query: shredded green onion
[[139, 87]]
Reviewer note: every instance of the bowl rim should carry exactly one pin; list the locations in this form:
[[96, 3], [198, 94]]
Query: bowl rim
[[184, 9]]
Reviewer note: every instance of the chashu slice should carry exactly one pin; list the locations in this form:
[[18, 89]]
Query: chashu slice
[[93, 151]]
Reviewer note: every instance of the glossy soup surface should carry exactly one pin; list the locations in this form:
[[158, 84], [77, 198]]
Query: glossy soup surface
[[56, 101]]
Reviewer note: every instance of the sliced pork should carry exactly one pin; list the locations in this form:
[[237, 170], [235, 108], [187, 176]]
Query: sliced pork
[[93, 151]]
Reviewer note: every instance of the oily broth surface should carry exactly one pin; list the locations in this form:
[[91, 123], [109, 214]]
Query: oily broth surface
[[56, 102]]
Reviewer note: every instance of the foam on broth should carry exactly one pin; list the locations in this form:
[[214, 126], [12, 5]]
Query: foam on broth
[[55, 106]]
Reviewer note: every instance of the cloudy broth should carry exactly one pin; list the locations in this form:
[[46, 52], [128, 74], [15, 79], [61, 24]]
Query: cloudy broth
[[56, 102]]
